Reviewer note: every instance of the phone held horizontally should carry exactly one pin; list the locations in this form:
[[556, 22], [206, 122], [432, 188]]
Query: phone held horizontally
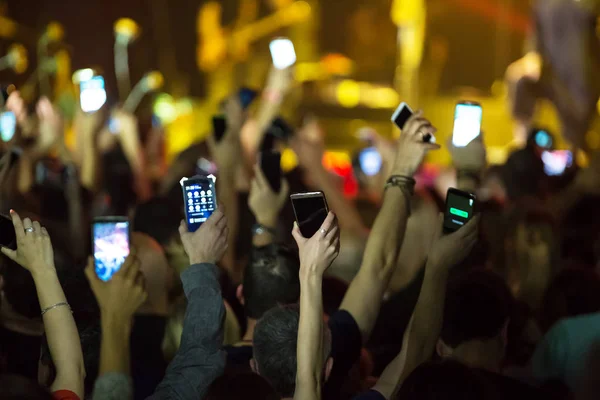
[[460, 208], [199, 199], [110, 240], [311, 210]]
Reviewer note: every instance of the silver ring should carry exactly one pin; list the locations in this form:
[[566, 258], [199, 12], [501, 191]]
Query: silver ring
[[323, 231], [29, 230]]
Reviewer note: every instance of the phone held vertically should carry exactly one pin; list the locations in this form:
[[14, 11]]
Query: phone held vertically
[[219, 127], [310, 210], [111, 244], [270, 164], [199, 199], [401, 115], [92, 94], [8, 125], [467, 123], [460, 208], [282, 53]]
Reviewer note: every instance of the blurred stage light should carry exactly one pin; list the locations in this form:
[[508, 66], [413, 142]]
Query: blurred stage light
[[18, 55], [154, 80], [82, 75], [289, 160], [348, 93], [54, 32], [164, 108], [126, 30]]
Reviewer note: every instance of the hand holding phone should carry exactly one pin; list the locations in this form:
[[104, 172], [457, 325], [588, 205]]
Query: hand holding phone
[[467, 123], [92, 94], [283, 53], [401, 117], [459, 209], [199, 200], [111, 245], [310, 209]]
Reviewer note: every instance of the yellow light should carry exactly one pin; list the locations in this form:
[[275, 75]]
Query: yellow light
[[348, 93], [592, 139], [154, 80], [333, 159], [82, 75], [301, 9], [55, 31], [126, 29], [18, 54], [289, 160], [380, 97], [164, 108]]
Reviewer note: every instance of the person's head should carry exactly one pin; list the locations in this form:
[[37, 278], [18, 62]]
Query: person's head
[[248, 386], [523, 174], [19, 289], [476, 315], [158, 218], [275, 341], [441, 380], [270, 279], [15, 387]]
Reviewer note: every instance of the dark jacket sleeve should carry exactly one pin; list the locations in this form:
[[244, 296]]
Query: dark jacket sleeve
[[199, 360]]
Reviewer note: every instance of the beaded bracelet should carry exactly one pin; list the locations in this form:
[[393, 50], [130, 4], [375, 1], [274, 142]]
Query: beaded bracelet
[[61, 304], [406, 184]]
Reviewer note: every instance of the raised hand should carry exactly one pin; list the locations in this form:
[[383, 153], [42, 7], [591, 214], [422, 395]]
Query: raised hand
[[472, 157], [449, 250], [124, 293], [34, 249], [50, 126], [318, 252], [209, 243], [265, 204], [410, 148]]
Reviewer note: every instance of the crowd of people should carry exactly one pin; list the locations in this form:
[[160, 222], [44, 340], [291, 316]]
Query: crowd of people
[[379, 303]]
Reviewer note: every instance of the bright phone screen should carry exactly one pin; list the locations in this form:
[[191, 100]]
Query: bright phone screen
[[370, 161], [200, 201], [92, 94], [467, 123], [556, 162], [459, 210], [283, 53], [311, 212], [111, 247], [8, 125]]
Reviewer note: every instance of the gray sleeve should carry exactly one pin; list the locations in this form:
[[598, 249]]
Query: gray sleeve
[[113, 386], [200, 359]]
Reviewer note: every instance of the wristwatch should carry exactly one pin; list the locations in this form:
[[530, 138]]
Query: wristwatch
[[258, 229]]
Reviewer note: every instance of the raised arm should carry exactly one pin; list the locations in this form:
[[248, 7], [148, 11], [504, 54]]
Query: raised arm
[[365, 294], [426, 323], [199, 360], [316, 255], [34, 252], [469, 162]]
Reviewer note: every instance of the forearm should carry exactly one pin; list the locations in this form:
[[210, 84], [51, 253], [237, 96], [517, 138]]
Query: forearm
[[114, 350], [227, 196], [310, 339], [61, 333], [89, 166]]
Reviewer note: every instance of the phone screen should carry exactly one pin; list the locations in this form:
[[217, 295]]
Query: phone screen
[[247, 96], [311, 210], [200, 200], [111, 246], [543, 139], [556, 162], [459, 209], [401, 115], [270, 163], [370, 161], [92, 94], [467, 123], [8, 238], [219, 127], [283, 53], [8, 125]]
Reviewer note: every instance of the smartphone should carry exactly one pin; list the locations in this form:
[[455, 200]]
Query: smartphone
[[270, 163], [556, 162], [459, 209], [282, 53], [370, 161], [219, 126], [247, 96], [467, 123], [8, 125], [199, 199], [281, 129], [8, 237], [310, 210], [111, 243], [92, 94], [401, 115], [543, 139]]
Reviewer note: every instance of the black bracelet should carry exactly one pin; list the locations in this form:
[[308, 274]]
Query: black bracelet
[[406, 184]]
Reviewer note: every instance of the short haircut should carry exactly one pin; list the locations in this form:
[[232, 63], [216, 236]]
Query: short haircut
[[477, 307], [270, 279], [158, 218], [275, 340], [522, 174], [248, 386]]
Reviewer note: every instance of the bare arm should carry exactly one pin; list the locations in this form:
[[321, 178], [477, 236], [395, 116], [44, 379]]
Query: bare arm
[[365, 294]]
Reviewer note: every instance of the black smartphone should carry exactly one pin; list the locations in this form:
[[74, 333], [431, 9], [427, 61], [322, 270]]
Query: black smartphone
[[219, 126], [247, 96], [111, 244], [460, 208], [401, 115], [281, 129], [8, 238], [310, 210], [270, 163], [199, 199]]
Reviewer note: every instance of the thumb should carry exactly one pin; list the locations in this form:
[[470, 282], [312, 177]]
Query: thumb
[[182, 228], [12, 254], [285, 189], [298, 235]]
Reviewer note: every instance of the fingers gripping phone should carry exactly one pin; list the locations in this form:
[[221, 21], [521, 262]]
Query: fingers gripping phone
[[111, 243], [311, 210], [199, 200], [92, 94], [459, 209], [283, 53], [467, 123], [219, 127], [401, 115], [270, 164]]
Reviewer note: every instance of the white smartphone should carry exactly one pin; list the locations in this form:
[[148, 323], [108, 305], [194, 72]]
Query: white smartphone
[[92, 94], [283, 53], [8, 125], [401, 115], [467, 123], [556, 162]]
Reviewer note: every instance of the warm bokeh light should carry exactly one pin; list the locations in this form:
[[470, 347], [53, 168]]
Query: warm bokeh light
[[83, 75], [154, 80], [55, 32], [18, 54], [348, 93], [126, 30], [164, 108], [289, 160]]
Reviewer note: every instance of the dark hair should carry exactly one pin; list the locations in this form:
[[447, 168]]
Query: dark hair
[[247, 385], [16, 387], [523, 174], [118, 182], [440, 380], [334, 290], [477, 306], [158, 218], [275, 341], [580, 232], [19, 288], [270, 279]]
